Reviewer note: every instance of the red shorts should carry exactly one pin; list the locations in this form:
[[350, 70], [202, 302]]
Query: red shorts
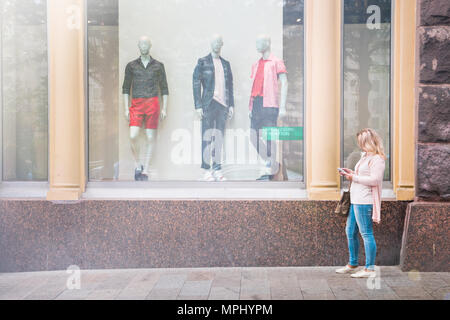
[[145, 110]]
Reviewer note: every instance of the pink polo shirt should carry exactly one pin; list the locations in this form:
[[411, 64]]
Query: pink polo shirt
[[273, 67]]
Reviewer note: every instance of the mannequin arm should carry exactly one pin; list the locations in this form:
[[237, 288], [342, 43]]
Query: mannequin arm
[[165, 99], [284, 93], [126, 103], [230, 113]]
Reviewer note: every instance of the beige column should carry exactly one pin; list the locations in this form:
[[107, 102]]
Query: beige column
[[66, 32], [404, 99], [323, 105]]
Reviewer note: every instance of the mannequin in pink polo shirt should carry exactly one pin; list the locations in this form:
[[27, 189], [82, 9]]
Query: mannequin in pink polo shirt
[[267, 102]]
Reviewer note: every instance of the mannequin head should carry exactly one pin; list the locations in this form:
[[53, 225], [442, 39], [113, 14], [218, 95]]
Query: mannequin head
[[263, 43], [216, 43], [144, 46]]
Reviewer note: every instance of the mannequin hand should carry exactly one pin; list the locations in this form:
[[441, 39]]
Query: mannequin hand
[[163, 115], [199, 113], [231, 113], [250, 114], [282, 112], [127, 115]]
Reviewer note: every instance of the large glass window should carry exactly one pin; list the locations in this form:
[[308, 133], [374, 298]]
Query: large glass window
[[367, 74], [23, 94], [218, 97]]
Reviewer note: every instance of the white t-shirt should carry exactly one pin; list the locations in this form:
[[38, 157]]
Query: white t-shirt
[[219, 90]]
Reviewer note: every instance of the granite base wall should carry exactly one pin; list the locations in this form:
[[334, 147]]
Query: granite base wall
[[40, 235], [426, 245]]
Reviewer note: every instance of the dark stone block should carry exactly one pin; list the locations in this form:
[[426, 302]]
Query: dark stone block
[[425, 245], [434, 114], [433, 180], [434, 12], [434, 55]]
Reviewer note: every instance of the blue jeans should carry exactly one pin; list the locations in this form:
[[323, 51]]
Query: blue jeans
[[360, 220]]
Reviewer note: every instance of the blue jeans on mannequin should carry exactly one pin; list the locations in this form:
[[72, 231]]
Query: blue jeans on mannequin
[[360, 220]]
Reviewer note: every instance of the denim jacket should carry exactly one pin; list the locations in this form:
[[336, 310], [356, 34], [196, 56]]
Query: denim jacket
[[204, 78]]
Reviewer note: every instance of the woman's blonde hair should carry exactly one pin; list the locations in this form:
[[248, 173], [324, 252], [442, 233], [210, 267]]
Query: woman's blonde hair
[[369, 140]]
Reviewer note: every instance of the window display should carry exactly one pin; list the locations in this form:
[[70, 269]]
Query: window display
[[265, 105], [214, 103], [146, 78], [204, 54], [367, 74], [24, 90]]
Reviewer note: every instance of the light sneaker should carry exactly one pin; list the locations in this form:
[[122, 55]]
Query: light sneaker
[[208, 176], [218, 175], [364, 274], [346, 269]]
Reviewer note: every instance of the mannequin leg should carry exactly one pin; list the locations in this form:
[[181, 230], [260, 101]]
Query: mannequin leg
[[134, 138], [219, 136], [151, 141], [207, 136]]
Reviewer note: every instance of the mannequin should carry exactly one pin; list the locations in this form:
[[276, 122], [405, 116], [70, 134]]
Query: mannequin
[[146, 79], [267, 104], [214, 104]]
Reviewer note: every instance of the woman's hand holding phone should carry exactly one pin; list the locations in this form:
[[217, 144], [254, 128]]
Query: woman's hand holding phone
[[347, 173]]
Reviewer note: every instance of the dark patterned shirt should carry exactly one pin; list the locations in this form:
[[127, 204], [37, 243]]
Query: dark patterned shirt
[[145, 82]]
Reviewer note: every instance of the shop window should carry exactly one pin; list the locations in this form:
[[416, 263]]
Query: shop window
[[206, 133], [367, 75], [24, 90]]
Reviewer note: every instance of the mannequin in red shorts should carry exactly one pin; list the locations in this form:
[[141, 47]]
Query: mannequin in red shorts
[[145, 79]]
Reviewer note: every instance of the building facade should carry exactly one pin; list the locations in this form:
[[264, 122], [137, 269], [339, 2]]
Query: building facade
[[68, 189]]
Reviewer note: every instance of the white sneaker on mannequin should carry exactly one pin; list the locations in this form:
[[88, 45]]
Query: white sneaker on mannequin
[[208, 176], [218, 175]]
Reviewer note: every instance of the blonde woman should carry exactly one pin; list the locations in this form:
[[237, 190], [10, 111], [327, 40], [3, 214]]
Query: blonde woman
[[365, 197]]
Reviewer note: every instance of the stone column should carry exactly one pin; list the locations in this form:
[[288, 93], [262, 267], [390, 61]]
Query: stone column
[[425, 239], [323, 105], [433, 101], [66, 34]]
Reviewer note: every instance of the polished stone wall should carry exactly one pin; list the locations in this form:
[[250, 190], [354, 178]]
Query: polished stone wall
[[425, 239], [40, 235]]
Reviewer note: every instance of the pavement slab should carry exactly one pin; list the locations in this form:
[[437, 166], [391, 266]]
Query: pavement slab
[[286, 283]]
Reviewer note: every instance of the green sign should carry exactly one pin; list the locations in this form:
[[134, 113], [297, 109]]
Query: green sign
[[283, 133]]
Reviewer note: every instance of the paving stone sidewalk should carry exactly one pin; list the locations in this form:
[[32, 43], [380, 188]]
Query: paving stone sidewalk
[[315, 283]]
